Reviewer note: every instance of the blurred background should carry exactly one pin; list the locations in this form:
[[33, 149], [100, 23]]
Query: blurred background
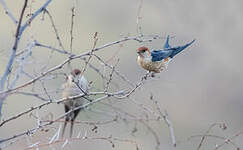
[[202, 85]]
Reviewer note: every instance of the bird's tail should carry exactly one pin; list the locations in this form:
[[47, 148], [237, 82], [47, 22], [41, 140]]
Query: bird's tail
[[167, 45], [67, 118], [64, 125], [178, 49]]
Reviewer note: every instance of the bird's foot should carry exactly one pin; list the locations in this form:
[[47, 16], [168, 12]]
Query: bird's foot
[[152, 75]]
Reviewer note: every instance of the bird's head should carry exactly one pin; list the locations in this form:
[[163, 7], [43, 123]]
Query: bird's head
[[74, 76], [143, 51]]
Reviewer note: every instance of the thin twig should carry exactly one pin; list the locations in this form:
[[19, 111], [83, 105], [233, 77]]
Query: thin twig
[[71, 31], [91, 52], [123, 77], [8, 12], [216, 137], [19, 31], [12, 57], [59, 66], [139, 17], [110, 78], [109, 139], [55, 29], [207, 132], [165, 116], [56, 101], [229, 140]]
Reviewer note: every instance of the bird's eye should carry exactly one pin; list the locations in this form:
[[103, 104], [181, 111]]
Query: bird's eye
[[143, 51]]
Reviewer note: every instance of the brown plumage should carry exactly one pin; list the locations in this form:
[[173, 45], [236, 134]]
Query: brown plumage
[[76, 84], [145, 61]]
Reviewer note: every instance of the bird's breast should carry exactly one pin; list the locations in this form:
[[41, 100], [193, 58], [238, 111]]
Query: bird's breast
[[149, 65], [72, 90]]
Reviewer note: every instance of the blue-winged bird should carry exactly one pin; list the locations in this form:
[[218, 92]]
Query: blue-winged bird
[[158, 60]]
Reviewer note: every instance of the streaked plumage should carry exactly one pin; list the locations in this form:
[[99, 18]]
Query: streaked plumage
[[74, 82], [158, 60]]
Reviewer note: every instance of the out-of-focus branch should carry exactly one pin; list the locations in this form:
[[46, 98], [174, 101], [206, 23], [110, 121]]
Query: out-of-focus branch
[[215, 137], [22, 62], [107, 95], [19, 31], [35, 14], [91, 52], [55, 29], [139, 17], [110, 77], [12, 57], [71, 30], [65, 141], [142, 121], [59, 66], [55, 101], [31, 131], [123, 77], [229, 140], [165, 116], [9, 13], [207, 132]]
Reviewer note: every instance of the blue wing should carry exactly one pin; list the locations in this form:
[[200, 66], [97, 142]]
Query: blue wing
[[158, 55], [168, 51]]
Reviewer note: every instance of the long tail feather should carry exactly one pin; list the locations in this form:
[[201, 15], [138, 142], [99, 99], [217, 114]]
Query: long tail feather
[[167, 45], [66, 108], [71, 129], [178, 49]]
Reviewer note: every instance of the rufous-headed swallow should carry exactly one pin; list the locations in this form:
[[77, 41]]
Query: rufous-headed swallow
[[157, 60], [75, 84]]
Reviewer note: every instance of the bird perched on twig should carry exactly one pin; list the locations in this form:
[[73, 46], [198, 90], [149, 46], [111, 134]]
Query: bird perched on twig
[[158, 60], [76, 84]]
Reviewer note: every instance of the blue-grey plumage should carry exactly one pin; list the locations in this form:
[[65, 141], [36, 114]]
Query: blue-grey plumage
[[158, 60], [167, 45], [168, 51]]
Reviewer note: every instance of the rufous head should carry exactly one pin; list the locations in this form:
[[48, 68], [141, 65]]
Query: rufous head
[[74, 76], [143, 51], [76, 72]]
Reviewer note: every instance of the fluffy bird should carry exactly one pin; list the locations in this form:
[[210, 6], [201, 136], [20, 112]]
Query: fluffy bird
[[157, 60], [75, 84]]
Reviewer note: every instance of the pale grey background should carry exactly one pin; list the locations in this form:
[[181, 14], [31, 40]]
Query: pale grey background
[[203, 85]]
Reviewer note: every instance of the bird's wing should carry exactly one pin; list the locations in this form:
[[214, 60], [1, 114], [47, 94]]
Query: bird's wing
[[158, 55], [84, 84], [168, 51]]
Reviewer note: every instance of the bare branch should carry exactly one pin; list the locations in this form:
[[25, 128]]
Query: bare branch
[[166, 119], [56, 101], [109, 139], [139, 17], [71, 31], [12, 57], [55, 29], [8, 12], [71, 58], [203, 137], [18, 34], [110, 79], [91, 52]]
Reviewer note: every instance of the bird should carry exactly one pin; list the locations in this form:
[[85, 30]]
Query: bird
[[75, 84], [156, 61]]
